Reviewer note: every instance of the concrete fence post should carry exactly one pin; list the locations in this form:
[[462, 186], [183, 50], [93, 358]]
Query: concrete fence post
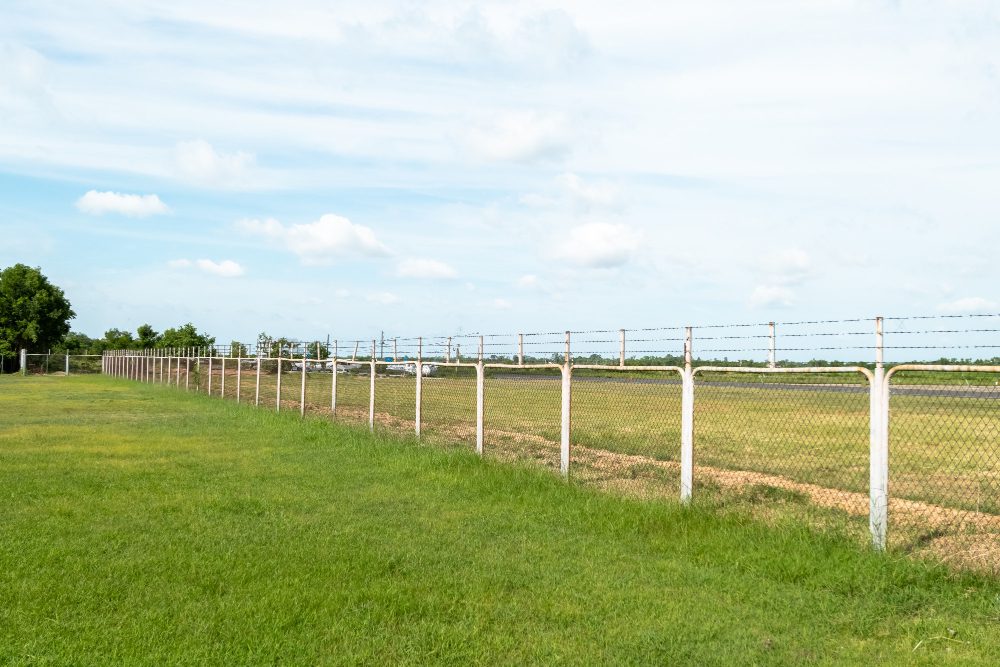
[[419, 368], [333, 381], [302, 391], [277, 394], [480, 406], [256, 389], [239, 372], [210, 376], [67, 363], [187, 373], [567, 386], [520, 349], [222, 382], [447, 354], [771, 361], [687, 422], [24, 362], [371, 393], [878, 510]]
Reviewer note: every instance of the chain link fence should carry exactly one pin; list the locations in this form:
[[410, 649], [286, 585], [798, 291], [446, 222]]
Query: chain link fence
[[909, 455]]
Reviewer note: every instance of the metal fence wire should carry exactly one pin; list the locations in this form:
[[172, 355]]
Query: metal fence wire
[[626, 429], [448, 406], [944, 460], [792, 438], [522, 408]]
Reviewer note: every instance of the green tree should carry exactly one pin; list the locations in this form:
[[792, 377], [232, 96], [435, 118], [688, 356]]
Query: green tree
[[185, 335], [118, 339], [147, 336], [78, 343], [34, 313]]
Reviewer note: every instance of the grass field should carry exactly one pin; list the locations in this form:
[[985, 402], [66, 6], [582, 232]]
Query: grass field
[[811, 440], [145, 526], [945, 450]]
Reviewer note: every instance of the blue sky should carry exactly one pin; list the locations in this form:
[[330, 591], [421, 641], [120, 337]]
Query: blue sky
[[313, 168]]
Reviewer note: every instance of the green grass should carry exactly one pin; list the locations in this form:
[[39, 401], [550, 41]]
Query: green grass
[[140, 525], [944, 451]]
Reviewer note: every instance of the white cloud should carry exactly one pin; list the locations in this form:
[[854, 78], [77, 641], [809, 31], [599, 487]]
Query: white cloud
[[520, 137], [765, 296], [969, 304], [417, 267], [790, 266], [319, 242], [384, 298], [599, 245], [502, 304], [198, 162], [589, 195], [527, 281], [227, 268], [132, 206]]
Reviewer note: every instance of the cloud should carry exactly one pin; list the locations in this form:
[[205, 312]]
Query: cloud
[[502, 304], [384, 298], [769, 296], [589, 195], [520, 137], [132, 206], [198, 162], [969, 304], [227, 268], [319, 242], [527, 281], [416, 267], [599, 245], [788, 267]]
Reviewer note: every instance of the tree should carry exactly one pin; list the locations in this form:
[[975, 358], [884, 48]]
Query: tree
[[147, 336], [118, 339], [185, 335], [34, 313]]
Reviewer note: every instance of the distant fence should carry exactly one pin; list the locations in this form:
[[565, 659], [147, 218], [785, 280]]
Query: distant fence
[[60, 364], [919, 443]]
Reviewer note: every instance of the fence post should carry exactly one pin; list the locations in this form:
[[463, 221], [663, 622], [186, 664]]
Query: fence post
[[878, 511], [520, 349], [256, 389], [277, 394], [419, 388], [333, 382], [302, 392], [67, 363], [621, 348], [447, 355], [371, 393], [687, 422], [210, 376], [480, 401], [770, 350], [222, 383], [239, 372], [187, 373], [567, 374], [24, 361]]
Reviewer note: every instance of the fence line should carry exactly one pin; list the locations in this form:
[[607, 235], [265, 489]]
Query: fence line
[[679, 426]]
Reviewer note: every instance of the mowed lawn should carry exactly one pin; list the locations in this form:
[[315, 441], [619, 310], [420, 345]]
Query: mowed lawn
[[143, 525]]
